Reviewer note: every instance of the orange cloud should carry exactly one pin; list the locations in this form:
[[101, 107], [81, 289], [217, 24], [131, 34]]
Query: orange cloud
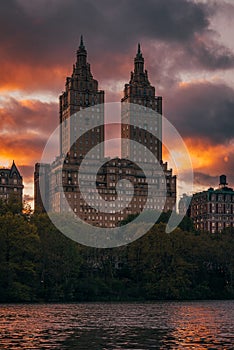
[[24, 150], [206, 156], [24, 128], [209, 161], [31, 77]]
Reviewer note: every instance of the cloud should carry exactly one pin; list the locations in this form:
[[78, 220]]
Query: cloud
[[205, 52], [211, 160], [25, 116], [205, 180], [38, 44], [28, 198], [25, 128], [208, 175], [27, 172], [38, 41], [23, 149], [203, 110], [31, 77], [202, 179], [166, 20]]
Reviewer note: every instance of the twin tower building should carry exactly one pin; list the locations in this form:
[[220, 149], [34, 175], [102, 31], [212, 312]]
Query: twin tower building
[[150, 184]]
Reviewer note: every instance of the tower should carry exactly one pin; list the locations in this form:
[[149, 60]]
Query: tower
[[140, 92], [60, 180], [141, 119], [81, 95], [81, 91]]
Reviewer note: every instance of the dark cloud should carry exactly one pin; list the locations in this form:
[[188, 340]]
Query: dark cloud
[[167, 20], [38, 40], [203, 110], [209, 54], [202, 179], [46, 33]]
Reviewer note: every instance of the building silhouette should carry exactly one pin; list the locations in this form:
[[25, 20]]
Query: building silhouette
[[213, 210], [139, 91], [184, 205], [41, 186], [81, 92], [11, 184]]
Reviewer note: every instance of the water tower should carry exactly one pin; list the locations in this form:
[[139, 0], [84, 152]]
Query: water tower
[[223, 181]]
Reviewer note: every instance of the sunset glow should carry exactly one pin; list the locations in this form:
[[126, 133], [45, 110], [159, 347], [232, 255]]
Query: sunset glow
[[193, 69]]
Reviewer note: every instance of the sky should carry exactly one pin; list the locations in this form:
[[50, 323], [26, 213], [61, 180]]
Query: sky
[[189, 54]]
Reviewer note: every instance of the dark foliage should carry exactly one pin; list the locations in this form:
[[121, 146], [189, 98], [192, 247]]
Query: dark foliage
[[38, 263]]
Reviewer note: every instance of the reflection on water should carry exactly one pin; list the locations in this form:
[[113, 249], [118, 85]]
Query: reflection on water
[[162, 325]]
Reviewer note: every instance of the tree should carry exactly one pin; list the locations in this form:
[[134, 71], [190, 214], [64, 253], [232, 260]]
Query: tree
[[60, 263], [11, 205], [19, 256]]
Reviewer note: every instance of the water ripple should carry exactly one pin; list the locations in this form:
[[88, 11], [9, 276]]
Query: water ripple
[[161, 325]]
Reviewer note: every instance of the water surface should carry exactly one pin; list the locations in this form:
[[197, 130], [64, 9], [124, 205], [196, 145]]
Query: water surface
[[94, 326]]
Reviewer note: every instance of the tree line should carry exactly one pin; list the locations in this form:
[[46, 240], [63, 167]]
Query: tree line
[[38, 263]]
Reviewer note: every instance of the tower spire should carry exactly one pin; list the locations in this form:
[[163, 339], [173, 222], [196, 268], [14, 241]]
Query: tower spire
[[81, 53], [139, 61], [139, 49], [81, 42]]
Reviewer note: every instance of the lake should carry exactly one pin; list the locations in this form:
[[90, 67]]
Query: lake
[[94, 326]]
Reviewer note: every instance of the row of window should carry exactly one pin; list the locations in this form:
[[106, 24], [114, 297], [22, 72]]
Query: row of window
[[4, 181], [6, 189], [215, 198]]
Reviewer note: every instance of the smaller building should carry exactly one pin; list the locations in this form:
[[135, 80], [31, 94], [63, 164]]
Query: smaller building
[[41, 187], [11, 184], [213, 210], [184, 205]]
